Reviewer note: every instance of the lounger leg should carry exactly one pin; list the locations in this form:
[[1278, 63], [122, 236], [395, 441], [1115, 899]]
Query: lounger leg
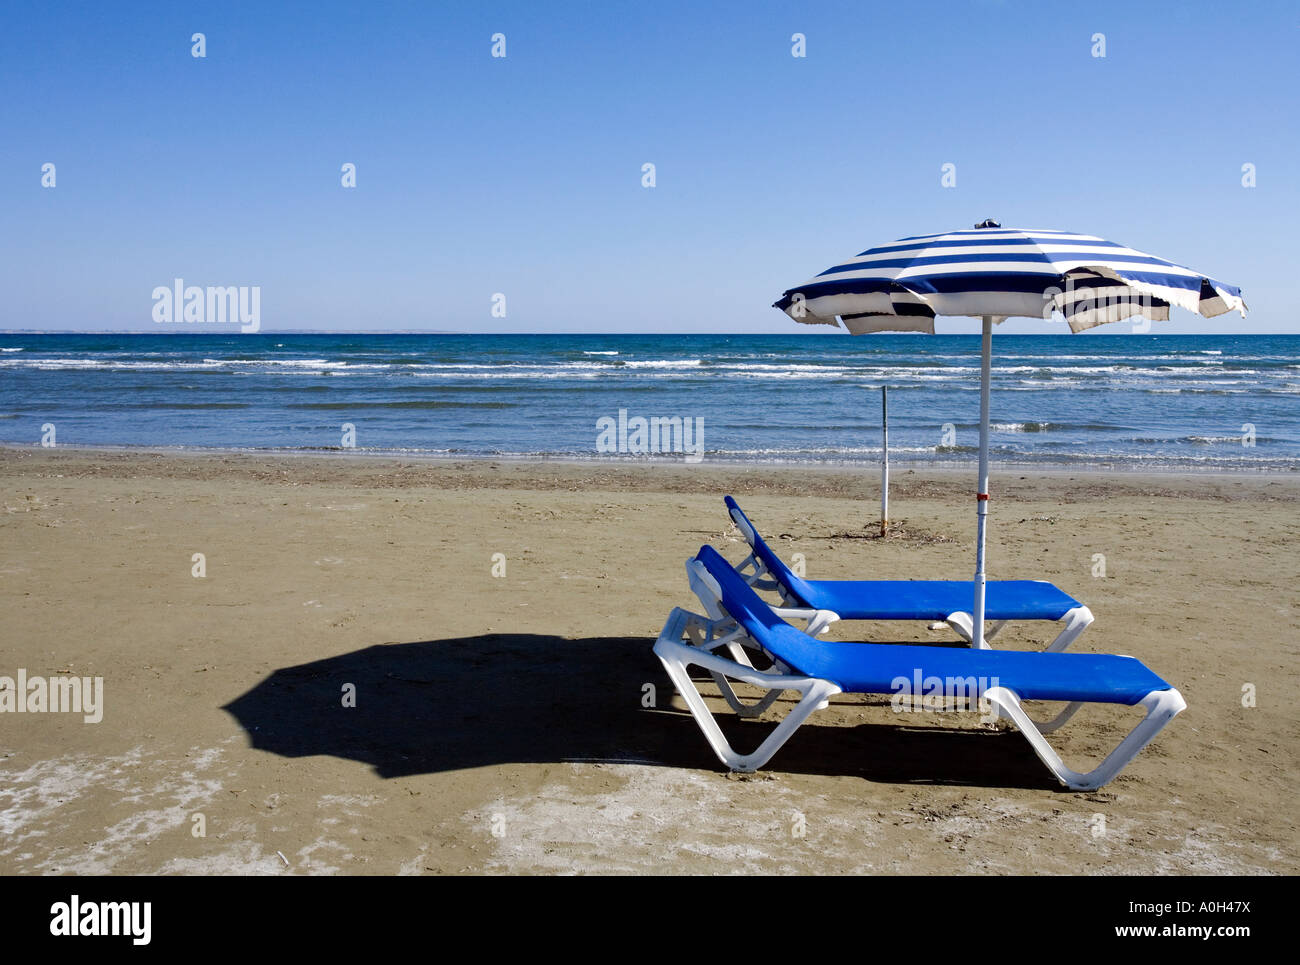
[[961, 623], [750, 562], [1161, 706], [734, 702], [738, 654], [964, 625], [678, 657], [755, 577], [728, 692], [700, 634], [1076, 621], [1060, 720]]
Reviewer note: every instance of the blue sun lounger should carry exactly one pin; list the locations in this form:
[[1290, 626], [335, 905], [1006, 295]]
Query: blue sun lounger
[[740, 622], [948, 600]]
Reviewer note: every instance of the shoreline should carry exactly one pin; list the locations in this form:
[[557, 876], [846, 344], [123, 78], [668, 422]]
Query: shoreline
[[659, 463]]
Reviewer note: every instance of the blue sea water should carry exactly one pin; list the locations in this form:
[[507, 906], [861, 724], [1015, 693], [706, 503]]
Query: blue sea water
[[1118, 401]]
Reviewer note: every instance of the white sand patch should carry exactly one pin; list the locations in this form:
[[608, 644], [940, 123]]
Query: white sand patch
[[1065, 836], [242, 858], [414, 866], [31, 798], [664, 819], [680, 821], [328, 855], [1214, 851], [159, 798]]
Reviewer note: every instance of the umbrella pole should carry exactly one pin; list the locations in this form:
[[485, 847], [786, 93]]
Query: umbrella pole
[[982, 497], [884, 460]]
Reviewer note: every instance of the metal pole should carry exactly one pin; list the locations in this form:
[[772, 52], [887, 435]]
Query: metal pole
[[884, 460], [982, 496]]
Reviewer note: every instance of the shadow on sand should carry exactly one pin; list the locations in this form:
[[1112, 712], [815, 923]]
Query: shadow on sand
[[441, 705]]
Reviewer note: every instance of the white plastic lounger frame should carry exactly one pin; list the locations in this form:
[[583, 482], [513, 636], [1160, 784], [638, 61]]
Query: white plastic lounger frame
[[1076, 620], [688, 639], [678, 656], [1161, 706], [701, 633]]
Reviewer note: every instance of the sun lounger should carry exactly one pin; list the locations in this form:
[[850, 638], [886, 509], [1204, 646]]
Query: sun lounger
[[740, 622], [948, 600]]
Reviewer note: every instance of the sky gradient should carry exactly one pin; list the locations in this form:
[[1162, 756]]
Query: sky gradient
[[523, 175]]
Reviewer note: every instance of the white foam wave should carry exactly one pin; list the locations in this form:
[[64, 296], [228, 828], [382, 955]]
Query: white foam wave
[[663, 364], [1020, 426]]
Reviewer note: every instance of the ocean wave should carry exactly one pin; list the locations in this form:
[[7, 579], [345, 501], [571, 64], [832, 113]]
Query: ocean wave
[[900, 376], [402, 404], [823, 451], [1189, 390], [169, 406], [521, 374], [210, 364], [662, 363], [1023, 426], [778, 367], [297, 363]]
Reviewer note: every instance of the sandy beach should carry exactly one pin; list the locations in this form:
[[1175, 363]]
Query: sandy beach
[[499, 723]]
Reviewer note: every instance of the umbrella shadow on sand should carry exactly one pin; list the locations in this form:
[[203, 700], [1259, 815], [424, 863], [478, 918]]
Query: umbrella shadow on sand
[[443, 705]]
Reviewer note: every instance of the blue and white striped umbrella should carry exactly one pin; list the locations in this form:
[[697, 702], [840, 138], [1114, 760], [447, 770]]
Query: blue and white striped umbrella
[[1002, 272], [996, 273]]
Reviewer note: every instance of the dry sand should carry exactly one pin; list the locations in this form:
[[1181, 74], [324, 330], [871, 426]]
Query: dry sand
[[499, 724]]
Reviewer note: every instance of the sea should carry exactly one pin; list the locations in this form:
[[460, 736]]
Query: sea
[[1125, 402]]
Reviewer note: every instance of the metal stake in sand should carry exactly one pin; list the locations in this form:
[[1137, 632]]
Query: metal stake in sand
[[884, 459]]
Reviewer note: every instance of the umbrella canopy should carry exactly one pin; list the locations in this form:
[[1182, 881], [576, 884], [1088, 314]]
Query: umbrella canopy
[[1002, 272], [995, 273]]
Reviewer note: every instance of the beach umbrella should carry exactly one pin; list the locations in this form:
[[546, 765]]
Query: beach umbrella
[[995, 273]]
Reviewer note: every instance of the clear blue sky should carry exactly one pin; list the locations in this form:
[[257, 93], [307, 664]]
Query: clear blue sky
[[522, 175]]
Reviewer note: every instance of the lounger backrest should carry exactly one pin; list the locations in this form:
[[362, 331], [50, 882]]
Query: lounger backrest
[[794, 586], [746, 607], [798, 651]]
